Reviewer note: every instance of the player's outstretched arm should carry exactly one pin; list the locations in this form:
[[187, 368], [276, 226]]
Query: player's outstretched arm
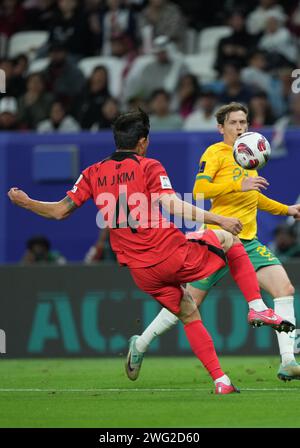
[[294, 210], [211, 190], [176, 206], [52, 210]]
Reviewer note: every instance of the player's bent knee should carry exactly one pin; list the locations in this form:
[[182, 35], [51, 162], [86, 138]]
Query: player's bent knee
[[188, 309], [290, 290], [227, 240]]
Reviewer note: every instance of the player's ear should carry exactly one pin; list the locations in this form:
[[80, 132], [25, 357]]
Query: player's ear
[[142, 146], [221, 128]]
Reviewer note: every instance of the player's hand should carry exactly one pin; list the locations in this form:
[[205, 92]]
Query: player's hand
[[18, 197], [232, 225], [257, 183], [294, 210]]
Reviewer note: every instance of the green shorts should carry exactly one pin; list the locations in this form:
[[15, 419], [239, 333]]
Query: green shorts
[[260, 256]]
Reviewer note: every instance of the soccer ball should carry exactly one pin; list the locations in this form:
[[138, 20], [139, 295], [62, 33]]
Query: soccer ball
[[251, 150]]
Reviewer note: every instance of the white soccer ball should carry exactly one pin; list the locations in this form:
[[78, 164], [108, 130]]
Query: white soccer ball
[[251, 150]]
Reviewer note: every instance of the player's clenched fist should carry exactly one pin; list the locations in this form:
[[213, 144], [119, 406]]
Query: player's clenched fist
[[294, 210], [18, 197], [232, 225]]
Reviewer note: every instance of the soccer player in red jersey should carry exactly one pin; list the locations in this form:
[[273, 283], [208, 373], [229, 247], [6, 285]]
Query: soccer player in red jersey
[[127, 188]]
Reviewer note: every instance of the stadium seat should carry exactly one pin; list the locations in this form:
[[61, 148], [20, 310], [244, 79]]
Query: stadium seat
[[190, 41], [38, 65], [210, 37], [201, 65], [26, 42], [139, 63], [114, 67]]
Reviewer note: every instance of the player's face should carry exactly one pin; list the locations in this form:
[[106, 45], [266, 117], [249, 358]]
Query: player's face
[[234, 125]]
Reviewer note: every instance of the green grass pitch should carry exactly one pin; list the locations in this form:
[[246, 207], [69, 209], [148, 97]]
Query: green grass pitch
[[170, 393]]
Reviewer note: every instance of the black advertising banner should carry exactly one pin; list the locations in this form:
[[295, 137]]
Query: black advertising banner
[[77, 310]]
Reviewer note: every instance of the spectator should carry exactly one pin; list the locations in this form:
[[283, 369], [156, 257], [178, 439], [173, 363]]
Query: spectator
[[292, 118], [71, 28], [93, 6], [186, 94], [9, 115], [20, 67], [256, 20], [117, 20], [88, 104], [285, 244], [203, 118], [260, 111], [63, 78], [14, 83], [161, 17], [59, 121], [294, 21], [108, 113], [136, 5], [281, 94], [41, 15], [164, 72], [233, 87], [256, 75], [101, 250], [12, 17], [136, 103], [277, 40], [122, 47], [161, 119], [35, 104], [201, 14], [39, 251], [236, 47]]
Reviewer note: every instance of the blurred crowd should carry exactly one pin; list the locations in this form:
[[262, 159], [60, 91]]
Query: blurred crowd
[[102, 57], [285, 245]]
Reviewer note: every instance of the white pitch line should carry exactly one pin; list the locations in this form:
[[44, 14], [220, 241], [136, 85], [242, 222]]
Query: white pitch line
[[276, 389], [101, 390]]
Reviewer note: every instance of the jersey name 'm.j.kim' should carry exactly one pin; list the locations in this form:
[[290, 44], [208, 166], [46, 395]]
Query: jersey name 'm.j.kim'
[[121, 178]]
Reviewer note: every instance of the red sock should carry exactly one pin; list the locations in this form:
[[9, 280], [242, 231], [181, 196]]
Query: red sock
[[203, 347], [243, 272]]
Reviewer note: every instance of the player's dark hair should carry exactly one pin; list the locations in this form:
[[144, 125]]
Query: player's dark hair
[[129, 128], [222, 113]]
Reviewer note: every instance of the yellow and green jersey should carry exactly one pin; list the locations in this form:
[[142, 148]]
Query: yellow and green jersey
[[220, 178]]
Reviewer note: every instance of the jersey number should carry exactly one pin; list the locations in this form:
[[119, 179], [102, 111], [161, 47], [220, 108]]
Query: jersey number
[[129, 221]]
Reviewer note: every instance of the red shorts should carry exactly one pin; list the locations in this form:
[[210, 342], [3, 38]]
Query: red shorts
[[201, 256]]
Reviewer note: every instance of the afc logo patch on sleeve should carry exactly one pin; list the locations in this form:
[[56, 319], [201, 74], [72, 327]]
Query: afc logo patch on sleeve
[[165, 182], [202, 167]]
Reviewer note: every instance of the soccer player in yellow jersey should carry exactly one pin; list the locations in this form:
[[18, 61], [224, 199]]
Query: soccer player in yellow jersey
[[235, 192]]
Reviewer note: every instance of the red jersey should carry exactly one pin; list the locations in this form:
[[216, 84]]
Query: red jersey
[[126, 188]]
